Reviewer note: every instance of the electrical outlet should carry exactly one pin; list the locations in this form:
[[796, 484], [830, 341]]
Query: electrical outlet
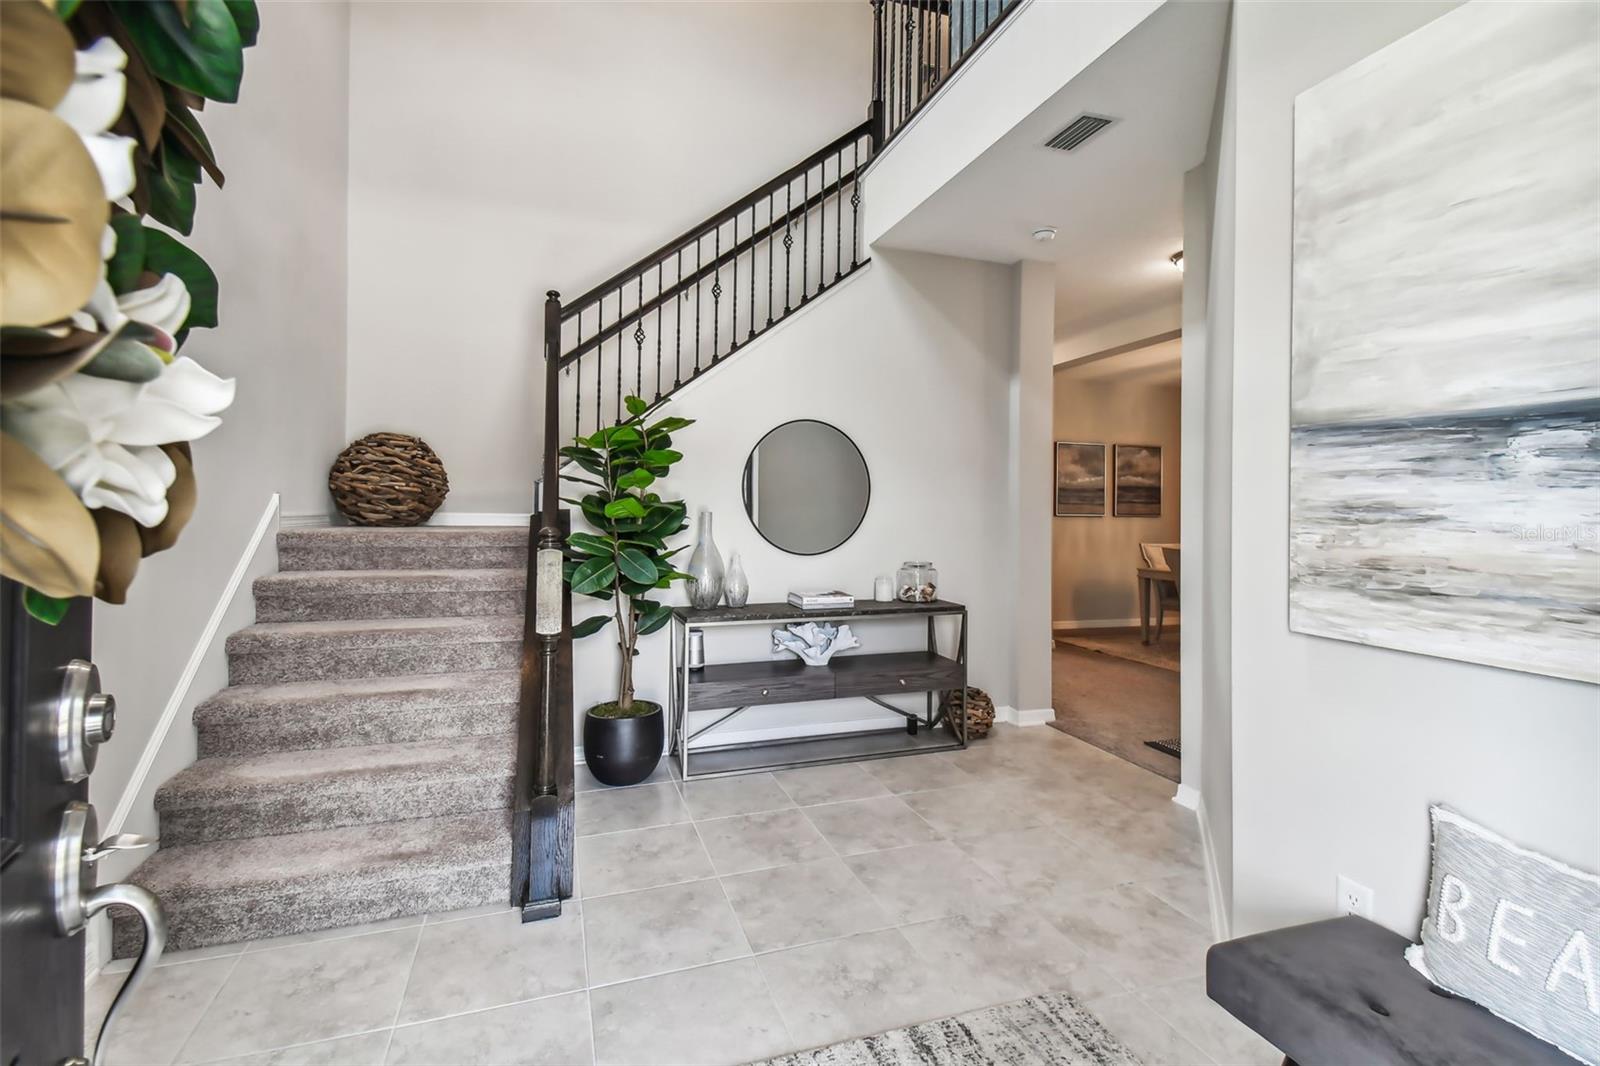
[[1354, 898]]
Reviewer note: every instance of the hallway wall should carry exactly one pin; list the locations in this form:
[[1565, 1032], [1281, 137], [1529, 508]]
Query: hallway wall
[[1093, 559]]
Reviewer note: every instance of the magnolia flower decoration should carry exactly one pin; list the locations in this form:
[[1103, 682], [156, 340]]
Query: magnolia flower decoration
[[97, 131]]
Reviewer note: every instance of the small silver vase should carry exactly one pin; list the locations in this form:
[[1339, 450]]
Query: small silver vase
[[737, 585], [705, 568]]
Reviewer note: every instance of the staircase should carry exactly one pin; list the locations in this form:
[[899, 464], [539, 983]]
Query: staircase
[[360, 764]]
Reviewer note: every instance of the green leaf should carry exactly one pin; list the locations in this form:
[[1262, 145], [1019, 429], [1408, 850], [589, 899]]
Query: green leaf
[[588, 626], [636, 565], [589, 544], [635, 405], [661, 457], [653, 619], [593, 575], [186, 130], [636, 478], [65, 9], [206, 56], [247, 18], [48, 609], [171, 186], [670, 425], [165, 254], [587, 458], [627, 507], [125, 266]]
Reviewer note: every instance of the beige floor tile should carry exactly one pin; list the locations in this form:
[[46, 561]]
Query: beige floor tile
[[466, 912], [711, 1014], [338, 933], [1185, 893], [613, 809], [640, 858], [855, 986], [1137, 938], [304, 993], [161, 1014], [640, 934], [919, 773], [925, 881], [491, 961], [178, 958], [1007, 954], [870, 825], [812, 785], [1186, 1007], [747, 842], [973, 810], [1145, 1033], [721, 797], [363, 1049], [801, 904], [537, 1033], [584, 781], [1039, 863]]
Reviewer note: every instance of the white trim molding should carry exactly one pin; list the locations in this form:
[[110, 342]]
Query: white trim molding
[[1108, 623], [1220, 922], [1187, 797], [1030, 717], [203, 646], [303, 521]]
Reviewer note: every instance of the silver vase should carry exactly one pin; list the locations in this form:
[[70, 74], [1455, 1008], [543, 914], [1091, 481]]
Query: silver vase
[[737, 585], [705, 568]]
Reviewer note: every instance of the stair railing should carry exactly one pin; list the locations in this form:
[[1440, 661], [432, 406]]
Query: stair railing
[[916, 46]]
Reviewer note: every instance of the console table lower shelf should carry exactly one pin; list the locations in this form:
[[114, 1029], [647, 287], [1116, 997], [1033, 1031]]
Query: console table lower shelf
[[736, 687]]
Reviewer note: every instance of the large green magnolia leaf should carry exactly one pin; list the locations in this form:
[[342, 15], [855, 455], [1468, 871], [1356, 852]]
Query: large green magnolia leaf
[[125, 266], [247, 18], [184, 128], [171, 186], [206, 56], [165, 254], [53, 212]]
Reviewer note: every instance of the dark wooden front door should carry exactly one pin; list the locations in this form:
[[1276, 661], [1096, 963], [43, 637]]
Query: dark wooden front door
[[41, 972]]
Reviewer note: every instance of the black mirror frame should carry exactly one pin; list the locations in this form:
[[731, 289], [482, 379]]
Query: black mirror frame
[[747, 486]]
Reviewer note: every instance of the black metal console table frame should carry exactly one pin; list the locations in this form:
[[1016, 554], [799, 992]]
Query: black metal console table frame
[[851, 675]]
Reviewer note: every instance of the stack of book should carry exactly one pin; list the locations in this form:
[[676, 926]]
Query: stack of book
[[822, 601]]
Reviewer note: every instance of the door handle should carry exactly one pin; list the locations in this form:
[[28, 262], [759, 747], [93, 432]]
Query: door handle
[[85, 718], [77, 899]]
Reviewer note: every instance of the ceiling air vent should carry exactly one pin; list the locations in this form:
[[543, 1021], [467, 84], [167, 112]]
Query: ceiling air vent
[[1078, 130]]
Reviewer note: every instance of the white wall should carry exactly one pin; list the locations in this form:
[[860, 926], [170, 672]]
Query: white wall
[[1031, 414], [1337, 748], [276, 238], [912, 358], [498, 150]]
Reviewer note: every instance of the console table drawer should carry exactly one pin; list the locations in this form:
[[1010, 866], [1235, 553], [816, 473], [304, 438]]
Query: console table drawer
[[749, 684], [882, 675]]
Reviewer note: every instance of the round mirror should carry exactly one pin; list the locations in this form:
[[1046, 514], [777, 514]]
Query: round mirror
[[806, 487]]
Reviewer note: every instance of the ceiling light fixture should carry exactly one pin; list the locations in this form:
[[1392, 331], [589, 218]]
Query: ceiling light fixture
[[1045, 233], [1176, 259]]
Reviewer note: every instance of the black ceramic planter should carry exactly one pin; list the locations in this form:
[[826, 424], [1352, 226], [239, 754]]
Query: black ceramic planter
[[624, 751]]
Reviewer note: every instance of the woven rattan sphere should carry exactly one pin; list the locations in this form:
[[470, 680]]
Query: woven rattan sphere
[[980, 711], [388, 479]]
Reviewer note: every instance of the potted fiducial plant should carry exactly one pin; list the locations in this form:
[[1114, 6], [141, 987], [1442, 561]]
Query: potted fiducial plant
[[625, 560]]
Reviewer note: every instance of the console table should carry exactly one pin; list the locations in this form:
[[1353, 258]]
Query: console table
[[736, 687]]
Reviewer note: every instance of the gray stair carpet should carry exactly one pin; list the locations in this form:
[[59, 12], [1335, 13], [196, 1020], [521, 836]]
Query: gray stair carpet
[[359, 765]]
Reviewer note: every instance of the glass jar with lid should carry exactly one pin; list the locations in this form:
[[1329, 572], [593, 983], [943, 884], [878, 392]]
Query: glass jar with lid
[[917, 582]]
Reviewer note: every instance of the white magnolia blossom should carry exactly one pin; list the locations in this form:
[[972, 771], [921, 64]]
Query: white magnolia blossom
[[102, 436], [93, 104], [164, 305]]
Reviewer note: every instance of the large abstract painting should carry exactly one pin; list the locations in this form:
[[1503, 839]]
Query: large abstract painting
[[1445, 448]]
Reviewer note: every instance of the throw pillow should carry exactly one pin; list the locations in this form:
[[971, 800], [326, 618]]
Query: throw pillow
[[1514, 931]]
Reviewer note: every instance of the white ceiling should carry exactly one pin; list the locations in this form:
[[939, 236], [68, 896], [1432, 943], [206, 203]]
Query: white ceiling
[[1116, 201], [1155, 364]]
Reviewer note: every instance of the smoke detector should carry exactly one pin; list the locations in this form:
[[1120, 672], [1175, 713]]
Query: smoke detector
[[1044, 233]]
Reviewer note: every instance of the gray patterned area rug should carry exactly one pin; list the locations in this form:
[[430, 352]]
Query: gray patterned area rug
[[1053, 1029]]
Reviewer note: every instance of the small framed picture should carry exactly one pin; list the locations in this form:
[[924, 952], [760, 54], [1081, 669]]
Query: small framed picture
[[1137, 481], [1080, 479]]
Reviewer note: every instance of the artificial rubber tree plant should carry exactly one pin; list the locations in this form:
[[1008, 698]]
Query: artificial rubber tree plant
[[625, 561]]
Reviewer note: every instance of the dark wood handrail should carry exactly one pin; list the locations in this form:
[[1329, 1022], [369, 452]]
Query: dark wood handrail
[[675, 290], [739, 206]]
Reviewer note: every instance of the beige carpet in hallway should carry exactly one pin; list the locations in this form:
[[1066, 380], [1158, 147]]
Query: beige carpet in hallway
[[1125, 644], [1116, 705]]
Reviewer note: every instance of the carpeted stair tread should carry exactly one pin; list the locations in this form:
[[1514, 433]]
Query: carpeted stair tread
[[311, 595], [233, 890], [416, 548], [299, 715], [298, 791], [273, 652]]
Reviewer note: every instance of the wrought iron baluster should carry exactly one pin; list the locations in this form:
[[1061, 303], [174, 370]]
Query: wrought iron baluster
[[660, 267], [599, 357], [805, 235], [822, 225], [891, 26], [855, 203], [922, 49], [677, 328], [638, 343], [751, 334], [770, 257], [577, 380], [616, 412], [788, 238], [716, 295], [697, 240], [733, 332], [838, 216], [906, 102]]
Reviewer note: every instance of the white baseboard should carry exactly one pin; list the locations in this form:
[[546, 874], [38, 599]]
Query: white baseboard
[[303, 521], [1108, 623], [1032, 716], [1187, 796], [211, 637], [477, 518], [1220, 923]]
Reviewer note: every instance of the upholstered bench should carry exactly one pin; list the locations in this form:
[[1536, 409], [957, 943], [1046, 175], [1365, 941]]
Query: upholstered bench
[[1340, 993]]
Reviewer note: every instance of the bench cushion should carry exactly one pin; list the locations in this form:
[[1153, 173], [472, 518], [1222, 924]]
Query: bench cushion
[[1340, 991]]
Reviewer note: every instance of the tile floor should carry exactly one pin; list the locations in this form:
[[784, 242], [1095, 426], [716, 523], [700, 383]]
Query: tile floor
[[733, 919]]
